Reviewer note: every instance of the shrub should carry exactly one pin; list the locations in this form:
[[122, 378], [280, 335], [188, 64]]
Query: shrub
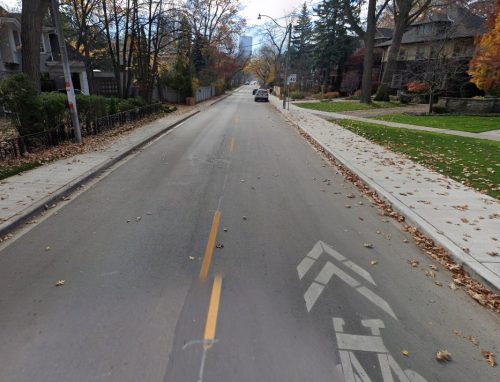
[[417, 87], [297, 95], [20, 96], [331, 95], [53, 110]]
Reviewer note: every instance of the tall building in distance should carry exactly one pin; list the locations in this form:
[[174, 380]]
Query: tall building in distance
[[245, 46]]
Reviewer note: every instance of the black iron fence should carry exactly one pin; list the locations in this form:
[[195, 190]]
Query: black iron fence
[[32, 143]]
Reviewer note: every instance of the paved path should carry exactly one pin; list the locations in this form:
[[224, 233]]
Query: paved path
[[470, 233], [491, 135], [224, 251]]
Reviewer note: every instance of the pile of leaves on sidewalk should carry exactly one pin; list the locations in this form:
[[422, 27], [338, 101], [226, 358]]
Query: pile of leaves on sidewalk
[[461, 278], [68, 149]]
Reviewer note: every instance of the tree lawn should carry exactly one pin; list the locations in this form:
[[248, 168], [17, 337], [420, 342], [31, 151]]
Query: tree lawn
[[475, 162], [340, 106], [473, 124]]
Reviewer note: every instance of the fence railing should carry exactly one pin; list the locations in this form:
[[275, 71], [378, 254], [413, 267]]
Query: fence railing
[[32, 143]]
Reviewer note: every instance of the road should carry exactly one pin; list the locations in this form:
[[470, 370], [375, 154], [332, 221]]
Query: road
[[229, 250]]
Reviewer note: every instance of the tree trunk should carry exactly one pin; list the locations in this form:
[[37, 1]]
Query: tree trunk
[[431, 101], [33, 12], [391, 62], [369, 39]]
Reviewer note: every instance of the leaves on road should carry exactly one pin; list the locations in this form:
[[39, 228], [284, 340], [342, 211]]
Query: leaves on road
[[60, 283], [474, 288], [406, 353], [47, 248], [368, 245], [373, 262], [219, 245], [443, 356], [489, 357], [413, 263], [191, 258]]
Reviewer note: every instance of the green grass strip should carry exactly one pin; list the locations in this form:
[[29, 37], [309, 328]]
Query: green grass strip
[[340, 106], [473, 124], [475, 162]]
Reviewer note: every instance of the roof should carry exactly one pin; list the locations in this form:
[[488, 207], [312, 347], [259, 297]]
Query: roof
[[457, 22], [384, 33]]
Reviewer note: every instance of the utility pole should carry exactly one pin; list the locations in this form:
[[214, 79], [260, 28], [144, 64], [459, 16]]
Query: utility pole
[[287, 59], [70, 91]]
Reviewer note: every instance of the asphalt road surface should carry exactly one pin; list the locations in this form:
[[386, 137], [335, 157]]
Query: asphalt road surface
[[229, 251]]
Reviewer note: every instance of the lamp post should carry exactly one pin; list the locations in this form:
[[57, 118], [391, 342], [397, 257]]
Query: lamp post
[[288, 29]]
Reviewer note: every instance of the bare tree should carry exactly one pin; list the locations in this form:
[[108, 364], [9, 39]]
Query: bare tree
[[32, 15], [405, 12], [368, 37]]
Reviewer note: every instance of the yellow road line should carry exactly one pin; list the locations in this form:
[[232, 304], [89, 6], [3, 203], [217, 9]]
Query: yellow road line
[[231, 145], [207, 258], [213, 311]]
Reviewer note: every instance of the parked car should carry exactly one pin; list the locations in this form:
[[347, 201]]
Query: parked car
[[254, 91], [261, 95], [247, 83]]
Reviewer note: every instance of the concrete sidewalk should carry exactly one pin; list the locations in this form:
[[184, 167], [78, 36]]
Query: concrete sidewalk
[[28, 193], [493, 135], [463, 221]]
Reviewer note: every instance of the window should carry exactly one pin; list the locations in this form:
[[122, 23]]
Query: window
[[17, 39], [434, 52], [402, 54], [42, 45], [420, 54], [397, 80]]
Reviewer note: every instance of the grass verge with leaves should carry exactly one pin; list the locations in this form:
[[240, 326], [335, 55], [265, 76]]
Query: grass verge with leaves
[[340, 106], [473, 124], [474, 162]]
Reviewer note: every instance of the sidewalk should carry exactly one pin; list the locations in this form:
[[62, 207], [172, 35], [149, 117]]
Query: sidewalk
[[26, 194], [463, 221], [493, 135]]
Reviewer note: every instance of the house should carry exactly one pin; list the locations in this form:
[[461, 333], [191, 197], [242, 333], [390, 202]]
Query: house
[[353, 67], [438, 48], [51, 70]]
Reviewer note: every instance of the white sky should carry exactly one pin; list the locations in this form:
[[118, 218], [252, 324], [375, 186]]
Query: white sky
[[273, 8]]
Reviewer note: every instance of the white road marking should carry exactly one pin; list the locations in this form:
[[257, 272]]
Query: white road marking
[[325, 274], [360, 271], [360, 343], [312, 294], [375, 325], [304, 266], [316, 252], [333, 253], [377, 300]]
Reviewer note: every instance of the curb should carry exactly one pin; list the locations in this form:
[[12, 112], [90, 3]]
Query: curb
[[474, 267], [39, 206], [220, 99]]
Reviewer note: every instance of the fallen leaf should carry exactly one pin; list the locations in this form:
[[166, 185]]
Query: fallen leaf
[[413, 263], [244, 218], [60, 283], [489, 357], [47, 248], [224, 229], [433, 267], [374, 262], [452, 286], [406, 353], [191, 258], [474, 340], [443, 356], [138, 218], [219, 245], [368, 245]]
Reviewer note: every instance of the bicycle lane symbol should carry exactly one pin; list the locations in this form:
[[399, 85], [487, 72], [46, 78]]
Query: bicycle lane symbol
[[350, 343]]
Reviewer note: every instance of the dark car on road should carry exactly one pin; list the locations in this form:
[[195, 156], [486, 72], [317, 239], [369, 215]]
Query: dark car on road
[[254, 91], [261, 95]]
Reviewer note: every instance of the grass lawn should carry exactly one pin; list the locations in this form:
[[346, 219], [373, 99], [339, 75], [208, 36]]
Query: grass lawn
[[476, 162], [473, 124], [340, 106]]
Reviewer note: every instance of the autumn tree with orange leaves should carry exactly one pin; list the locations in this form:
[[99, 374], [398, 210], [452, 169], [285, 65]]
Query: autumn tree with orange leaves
[[484, 68]]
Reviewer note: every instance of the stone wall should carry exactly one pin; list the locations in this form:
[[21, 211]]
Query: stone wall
[[470, 105]]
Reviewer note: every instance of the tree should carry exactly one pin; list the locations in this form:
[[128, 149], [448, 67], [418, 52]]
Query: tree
[[332, 43], [301, 45], [84, 30], [262, 65], [405, 12], [484, 68], [352, 10], [32, 15]]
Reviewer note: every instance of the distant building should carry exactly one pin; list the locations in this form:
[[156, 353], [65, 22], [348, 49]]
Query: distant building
[[245, 46]]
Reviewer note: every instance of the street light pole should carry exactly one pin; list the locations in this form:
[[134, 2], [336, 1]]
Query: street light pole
[[70, 91], [288, 30]]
